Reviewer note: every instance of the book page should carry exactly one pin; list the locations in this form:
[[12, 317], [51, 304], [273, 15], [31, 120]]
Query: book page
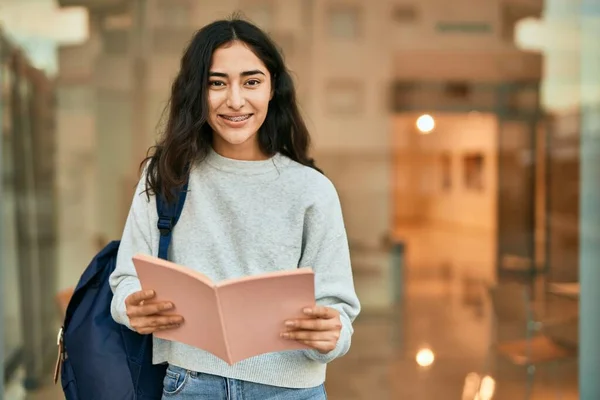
[[255, 309], [194, 297]]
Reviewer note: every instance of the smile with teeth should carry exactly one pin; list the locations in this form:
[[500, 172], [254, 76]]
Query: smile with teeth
[[237, 118]]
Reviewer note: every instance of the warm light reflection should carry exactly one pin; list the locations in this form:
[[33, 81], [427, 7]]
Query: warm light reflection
[[425, 357], [487, 388], [425, 123], [478, 388]]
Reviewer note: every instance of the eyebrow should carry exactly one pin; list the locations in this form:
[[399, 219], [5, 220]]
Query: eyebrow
[[244, 73]]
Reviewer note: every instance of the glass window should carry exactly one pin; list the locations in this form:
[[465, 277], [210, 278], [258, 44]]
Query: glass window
[[171, 41], [463, 27], [118, 22], [261, 14], [405, 13], [344, 96], [75, 98], [173, 13], [116, 42], [344, 22]]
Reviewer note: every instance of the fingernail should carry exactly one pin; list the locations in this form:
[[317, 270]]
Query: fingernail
[[149, 292], [168, 306], [285, 335], [290, 323], [308, 311]]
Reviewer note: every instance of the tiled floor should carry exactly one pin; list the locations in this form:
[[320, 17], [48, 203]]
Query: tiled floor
[[383, 366]]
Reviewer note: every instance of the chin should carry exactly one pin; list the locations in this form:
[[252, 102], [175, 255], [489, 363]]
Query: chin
[[236, 138]]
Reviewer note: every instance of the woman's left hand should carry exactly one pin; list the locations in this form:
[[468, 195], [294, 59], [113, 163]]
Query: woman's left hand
[[320, 331]]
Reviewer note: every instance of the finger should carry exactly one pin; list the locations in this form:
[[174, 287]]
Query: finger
[[316, 324], [167, 327], [311, 335], [136, 298], [155, 322], [322, 312], [146, 330], [153, 308], [147, 309], [158, 321]]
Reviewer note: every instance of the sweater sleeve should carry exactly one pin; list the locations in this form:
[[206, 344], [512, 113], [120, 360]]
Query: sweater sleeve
[[136, 238], [325, 249]]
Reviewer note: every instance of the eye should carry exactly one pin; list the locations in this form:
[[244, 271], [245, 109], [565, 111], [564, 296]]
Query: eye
[[253, 82], [216, 83]]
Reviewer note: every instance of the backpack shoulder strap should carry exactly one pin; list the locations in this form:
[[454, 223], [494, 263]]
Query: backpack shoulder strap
[[168, 215]]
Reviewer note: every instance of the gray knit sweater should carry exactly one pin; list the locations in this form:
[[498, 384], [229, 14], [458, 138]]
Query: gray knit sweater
[[242, 218]]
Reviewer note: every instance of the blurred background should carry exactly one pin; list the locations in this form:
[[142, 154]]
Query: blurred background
[[462, 136]]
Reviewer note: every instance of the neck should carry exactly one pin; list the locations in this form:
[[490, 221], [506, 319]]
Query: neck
[[248, 151]]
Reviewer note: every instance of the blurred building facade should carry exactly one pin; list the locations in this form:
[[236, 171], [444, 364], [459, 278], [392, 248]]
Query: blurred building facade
[[365, 70]]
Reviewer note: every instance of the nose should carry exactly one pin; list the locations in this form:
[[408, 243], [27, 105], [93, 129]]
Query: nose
[[235, 98]]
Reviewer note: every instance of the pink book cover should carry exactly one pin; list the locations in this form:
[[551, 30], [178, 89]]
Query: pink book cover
[[234, 319]]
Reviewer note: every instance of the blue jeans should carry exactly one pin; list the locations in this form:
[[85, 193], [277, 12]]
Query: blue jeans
[[181, 384]]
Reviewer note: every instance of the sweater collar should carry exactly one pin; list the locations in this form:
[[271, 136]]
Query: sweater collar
[[244, 167]]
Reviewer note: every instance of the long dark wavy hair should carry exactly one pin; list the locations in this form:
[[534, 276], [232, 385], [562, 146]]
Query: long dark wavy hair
[[187, 136]]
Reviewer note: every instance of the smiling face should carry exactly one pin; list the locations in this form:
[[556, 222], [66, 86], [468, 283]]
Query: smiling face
[[239, 92]]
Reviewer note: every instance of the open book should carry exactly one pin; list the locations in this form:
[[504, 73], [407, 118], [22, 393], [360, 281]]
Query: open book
[[234, 319]]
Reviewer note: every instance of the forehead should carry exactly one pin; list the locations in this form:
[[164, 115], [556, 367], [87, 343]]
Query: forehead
[[234, 58]]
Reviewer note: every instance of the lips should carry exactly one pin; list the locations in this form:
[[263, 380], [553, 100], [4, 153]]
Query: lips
[[236, 118]]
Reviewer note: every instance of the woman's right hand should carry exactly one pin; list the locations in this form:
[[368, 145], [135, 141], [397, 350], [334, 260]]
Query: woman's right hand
[[145, 318]]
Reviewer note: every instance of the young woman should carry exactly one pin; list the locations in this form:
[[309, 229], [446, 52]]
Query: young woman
[[256, 203]]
